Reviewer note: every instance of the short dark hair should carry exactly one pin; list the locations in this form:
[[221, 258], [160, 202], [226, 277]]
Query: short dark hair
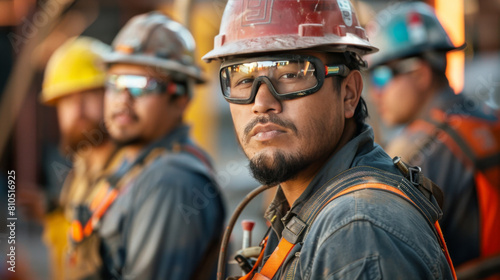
[[354, 62]]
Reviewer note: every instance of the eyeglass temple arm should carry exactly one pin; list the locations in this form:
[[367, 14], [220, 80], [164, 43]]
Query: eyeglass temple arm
[[336, 70]]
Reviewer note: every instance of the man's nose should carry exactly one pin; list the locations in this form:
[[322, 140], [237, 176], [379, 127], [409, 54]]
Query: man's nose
[[265, 101]]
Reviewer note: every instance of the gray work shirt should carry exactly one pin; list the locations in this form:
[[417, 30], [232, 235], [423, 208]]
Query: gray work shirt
[[367, 234], [165, 220]]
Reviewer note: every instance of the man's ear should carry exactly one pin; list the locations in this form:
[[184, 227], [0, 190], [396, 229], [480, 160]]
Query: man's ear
[[352, 86]]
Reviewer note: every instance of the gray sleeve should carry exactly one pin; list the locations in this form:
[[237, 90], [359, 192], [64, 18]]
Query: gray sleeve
[[360, 250], [372, 235], [176, 214]]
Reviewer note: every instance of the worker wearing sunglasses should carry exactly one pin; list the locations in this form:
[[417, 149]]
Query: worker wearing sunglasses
[[395, 100], [139, 86], [135, 225], [450, 135]]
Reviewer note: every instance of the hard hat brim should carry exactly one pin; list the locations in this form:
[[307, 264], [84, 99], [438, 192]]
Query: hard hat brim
[[51, 94], [376, 61], [148, 60], [291, 42]]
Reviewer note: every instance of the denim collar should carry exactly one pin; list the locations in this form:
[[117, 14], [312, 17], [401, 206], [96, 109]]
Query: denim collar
[[177, 136], [278, 211]]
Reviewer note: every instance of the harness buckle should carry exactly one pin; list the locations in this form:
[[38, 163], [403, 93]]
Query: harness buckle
[[412, 173], [417, 179], [293, 230]]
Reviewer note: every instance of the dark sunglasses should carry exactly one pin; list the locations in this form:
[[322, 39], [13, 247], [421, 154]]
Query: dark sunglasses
[[383, 74]]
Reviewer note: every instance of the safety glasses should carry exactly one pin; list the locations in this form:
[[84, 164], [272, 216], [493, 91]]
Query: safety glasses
[[383, 74], [136, 85], [286, 76]]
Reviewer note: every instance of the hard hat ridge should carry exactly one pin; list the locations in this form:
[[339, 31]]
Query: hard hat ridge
[[155, 40], [407, 29], [272, 25]]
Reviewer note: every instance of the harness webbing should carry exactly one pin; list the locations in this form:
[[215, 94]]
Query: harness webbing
[[474, 142], [108, 194], [248, 276], [284, 247]]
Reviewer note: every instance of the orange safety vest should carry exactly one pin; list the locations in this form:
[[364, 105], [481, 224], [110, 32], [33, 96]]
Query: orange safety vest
[[284, 247], [83, 258], [476, 143], [108, 194]]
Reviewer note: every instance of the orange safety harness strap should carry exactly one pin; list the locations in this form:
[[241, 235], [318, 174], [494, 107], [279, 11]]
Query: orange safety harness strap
[[107, 195], [248, 276], [276, 259], [100, 204], [284, 247], [475, 142]]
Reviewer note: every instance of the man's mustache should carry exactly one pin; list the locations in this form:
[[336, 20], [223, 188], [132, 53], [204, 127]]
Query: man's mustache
[[125, 111], [271, 118]]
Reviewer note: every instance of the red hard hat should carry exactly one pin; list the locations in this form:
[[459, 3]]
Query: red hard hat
[[249, 27]]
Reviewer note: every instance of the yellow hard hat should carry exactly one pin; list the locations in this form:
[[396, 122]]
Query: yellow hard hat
[[75, 66]]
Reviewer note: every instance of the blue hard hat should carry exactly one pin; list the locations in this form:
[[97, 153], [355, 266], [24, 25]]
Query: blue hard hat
[[404, 30]]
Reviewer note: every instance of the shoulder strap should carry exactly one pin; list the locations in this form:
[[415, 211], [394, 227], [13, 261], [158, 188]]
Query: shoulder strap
[[473, 140], [353, 179], [476, 143], [279, 255], [79, 230], [199, 154], [416, 186]]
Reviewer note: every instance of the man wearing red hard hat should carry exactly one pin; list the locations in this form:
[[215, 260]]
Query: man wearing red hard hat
[[343, 208]]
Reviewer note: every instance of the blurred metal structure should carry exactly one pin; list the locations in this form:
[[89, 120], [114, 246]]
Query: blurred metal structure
[[23, 71], [182, 10]]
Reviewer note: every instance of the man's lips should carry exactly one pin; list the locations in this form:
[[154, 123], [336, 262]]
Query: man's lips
[[264, 128], [266, 132], [124, 117]]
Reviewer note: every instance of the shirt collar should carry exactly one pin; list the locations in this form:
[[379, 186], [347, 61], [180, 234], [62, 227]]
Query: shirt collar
[[277, 214]]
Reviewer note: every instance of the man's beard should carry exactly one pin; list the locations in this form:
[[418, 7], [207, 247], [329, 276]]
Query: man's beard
[[83, 136], [127, 142], [269, 171]]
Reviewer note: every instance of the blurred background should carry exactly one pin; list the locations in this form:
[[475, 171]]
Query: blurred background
[[30, 30]]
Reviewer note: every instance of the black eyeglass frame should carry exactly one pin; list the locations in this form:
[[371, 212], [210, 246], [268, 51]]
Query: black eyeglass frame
[[330, 71]]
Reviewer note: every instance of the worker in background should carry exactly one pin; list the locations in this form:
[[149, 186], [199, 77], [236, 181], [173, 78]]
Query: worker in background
[[74, 84], [455, 140], [160, 215], [292, 78]]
